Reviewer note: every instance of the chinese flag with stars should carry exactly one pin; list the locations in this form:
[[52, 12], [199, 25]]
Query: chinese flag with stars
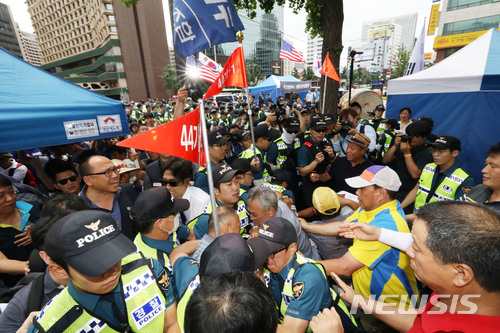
[[233, 74], [328, 69], [180, 137]]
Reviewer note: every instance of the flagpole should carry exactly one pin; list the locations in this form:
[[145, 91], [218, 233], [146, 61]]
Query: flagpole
[[209, 166], [240, 37], [324, 96]]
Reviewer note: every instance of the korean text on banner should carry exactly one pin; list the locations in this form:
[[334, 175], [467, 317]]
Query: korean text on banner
[[180, 137], [233, 74], [200, 24]]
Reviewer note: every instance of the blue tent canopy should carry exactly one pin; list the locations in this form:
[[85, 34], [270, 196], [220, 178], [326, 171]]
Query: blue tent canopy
[[461, 94], [38, 109], [272, 86]]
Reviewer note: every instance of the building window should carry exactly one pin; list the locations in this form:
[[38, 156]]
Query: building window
[[109, 6], [479, 24], [111, 18], [459, 4], [112, 29]]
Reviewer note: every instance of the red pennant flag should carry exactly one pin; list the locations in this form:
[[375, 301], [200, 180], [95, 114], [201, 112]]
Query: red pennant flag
[[180, 137], [233, 74], [328, 69]]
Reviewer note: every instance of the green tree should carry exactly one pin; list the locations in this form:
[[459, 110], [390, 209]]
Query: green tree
[[254, 72], [343, 74], [400, 63], [295, 73], [172, 81], [308, 74]]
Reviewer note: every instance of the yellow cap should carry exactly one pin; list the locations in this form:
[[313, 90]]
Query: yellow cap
[[326, 201]]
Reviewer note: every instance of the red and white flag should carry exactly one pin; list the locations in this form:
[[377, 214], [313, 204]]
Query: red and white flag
[[209, 69], [289, 52], [232, 75], [180, 137]]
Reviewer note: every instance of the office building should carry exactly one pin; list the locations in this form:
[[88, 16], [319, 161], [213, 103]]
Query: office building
[[102, 45], [314, 49], [408, 24], [9, 35], [461, 22], [31, 49]]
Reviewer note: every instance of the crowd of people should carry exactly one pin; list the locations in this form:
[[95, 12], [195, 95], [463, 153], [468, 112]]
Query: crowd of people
[[323, 224]]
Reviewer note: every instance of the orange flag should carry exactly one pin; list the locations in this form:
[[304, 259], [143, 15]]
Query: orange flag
[[233, 74], [180, 137], [328, 69]]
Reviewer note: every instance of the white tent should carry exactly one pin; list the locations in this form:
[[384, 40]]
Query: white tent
[[461, 94]]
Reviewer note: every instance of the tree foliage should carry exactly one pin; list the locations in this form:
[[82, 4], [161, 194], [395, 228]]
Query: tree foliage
[[172, 81], [254, 72], [308, 74], [401, 60], [295, 73]]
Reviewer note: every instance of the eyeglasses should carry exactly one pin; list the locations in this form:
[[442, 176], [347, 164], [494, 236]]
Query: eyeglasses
[[272, 254], [107, 173], [64, 181], [321, 130], [172, 183]]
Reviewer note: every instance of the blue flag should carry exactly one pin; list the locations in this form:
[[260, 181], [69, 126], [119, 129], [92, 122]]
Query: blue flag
[[200, 24]]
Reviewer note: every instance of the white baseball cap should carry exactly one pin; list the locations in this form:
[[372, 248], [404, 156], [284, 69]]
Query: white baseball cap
[[379, 175]]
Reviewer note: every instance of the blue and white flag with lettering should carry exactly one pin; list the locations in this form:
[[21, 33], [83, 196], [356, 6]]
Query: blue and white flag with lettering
[[200, 24]]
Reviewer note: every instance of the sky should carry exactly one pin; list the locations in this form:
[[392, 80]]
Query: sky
[[355, 13]]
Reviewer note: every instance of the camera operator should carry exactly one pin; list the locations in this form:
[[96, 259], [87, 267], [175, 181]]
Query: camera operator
[[348, 128], [314, 158], [408, 156]]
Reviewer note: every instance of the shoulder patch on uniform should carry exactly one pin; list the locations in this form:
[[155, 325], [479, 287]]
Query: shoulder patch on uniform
[[307, 144], [164, 281], [298, 290], [466, 189], [192, 262]]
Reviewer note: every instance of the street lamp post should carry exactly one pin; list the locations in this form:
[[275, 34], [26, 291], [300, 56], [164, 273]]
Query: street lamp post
[[352, 55]]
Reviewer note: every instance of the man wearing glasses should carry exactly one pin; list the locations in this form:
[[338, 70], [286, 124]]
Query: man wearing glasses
[[313, 159], [103, 190], [298, 284]]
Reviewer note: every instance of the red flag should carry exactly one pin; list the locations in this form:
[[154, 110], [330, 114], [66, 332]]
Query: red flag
[[233, 74], [180, 137], [328, 69]]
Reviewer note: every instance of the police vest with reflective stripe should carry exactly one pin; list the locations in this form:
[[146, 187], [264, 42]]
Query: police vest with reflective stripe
[[241, 210], [284, 150], [249, 153], [389, 138], [287, 292], [144, 305], [184, 299], [159, 255], [446, 189]]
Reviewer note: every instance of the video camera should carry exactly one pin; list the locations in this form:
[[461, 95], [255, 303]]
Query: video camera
[[406, 138], [347, 125]]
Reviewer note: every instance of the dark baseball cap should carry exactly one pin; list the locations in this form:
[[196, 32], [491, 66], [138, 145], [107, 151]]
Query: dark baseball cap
[[261, 131], [318, 123], [156, 203], [90, 241], [242, 164], [216, 138], [292, 125], [277, 232], [231, 252], [328, 119], [379, 107], [223, 173], [447, 142]]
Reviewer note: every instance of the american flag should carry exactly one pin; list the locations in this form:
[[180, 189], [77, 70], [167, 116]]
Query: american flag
[[290, 53], [209, 69], [191, 63]]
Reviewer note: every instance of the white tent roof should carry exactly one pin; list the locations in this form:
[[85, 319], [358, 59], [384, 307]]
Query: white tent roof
[[461, 72]]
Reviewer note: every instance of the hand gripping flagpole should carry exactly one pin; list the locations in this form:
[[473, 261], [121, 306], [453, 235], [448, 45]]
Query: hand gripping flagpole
[[240, 37], [209, 166]]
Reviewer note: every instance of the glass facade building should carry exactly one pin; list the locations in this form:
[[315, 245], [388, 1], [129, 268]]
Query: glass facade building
[[9, 39], [263, 36], [476, 24]]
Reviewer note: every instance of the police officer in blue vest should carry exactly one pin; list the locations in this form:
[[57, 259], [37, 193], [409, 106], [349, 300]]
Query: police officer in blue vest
[[299, 285], [112, 288]]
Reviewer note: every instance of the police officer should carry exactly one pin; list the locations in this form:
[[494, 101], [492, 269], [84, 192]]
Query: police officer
[[386, 139], [284, 147], [443, 179], [299, 285], [111, 288], [263, 140], [313, 159], [155, 216], [378, 123], [216, 148]]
